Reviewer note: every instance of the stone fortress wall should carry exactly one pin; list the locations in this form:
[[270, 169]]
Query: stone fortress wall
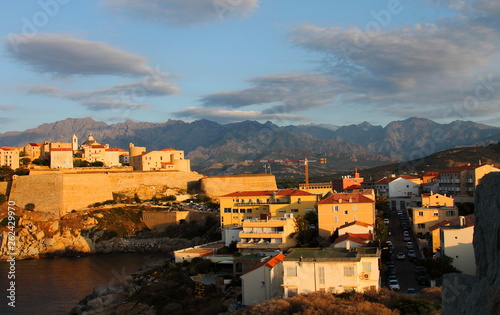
[[216, 186], [59, 193]]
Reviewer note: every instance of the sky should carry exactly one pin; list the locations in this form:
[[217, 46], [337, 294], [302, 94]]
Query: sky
[[288, 62]]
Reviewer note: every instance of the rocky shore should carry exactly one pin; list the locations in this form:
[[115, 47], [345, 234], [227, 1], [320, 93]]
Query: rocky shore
[[38, 236]]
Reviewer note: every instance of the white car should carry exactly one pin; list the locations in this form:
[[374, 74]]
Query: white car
[[406, 233], [401, 256], [394, 285], [411, 292], [386, 221], [412, 254], [409, 245]]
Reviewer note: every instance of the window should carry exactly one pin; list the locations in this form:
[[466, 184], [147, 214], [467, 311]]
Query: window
[[291, 271], [346, 211], [249, 210], [321, 274], [295, 210], [336, 219], [309, 210], [348, 271], [227, 210], [354, 207], [242, 210], [367, 266], [298, 200], [355, 218], [292, 292], [436, 213], [235, 210], [335, 208], [421, 225], [282, 210], [450, 213], [420, 213]]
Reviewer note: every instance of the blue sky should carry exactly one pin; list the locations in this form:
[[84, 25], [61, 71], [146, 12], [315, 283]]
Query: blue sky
[[290, 62]]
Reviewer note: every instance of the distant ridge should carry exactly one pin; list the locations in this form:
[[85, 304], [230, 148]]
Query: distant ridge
[[218, 149]]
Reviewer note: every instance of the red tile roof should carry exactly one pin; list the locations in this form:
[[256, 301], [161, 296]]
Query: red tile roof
[[169, 149], [353, 187], [385, 180], [115, 150], [431, 174], [167, 163], [469, 221], [35, 144], [409, 177], [270, 263], [344, 198], [61, 149], [356, 223], [282, 192], [357, 238], [98, 146]]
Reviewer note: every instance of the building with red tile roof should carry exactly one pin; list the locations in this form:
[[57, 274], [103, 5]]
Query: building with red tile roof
[[264, 281]]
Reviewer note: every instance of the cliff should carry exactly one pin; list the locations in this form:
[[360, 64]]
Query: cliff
[[479, 294]]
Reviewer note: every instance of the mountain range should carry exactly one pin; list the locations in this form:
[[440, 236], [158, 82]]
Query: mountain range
[[218, 149]]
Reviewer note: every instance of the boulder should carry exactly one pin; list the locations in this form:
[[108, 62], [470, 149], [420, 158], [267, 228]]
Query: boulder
[[479, 294]]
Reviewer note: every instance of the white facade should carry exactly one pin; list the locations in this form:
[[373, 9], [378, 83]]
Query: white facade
[[330, 269], [456, 242], [264, 282], [356, 228], [401, 187], [231, 235]]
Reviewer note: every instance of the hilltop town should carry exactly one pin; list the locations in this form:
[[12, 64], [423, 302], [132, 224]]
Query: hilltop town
[[399, 232]]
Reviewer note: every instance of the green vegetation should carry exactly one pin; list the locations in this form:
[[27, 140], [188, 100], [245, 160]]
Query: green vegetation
[[6, 173], [41, 162], [304, 234], [83, 163], [25, 161], [122, 222], [437, 267]]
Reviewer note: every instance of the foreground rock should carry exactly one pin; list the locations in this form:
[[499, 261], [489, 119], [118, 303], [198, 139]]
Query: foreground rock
[[479, 294]]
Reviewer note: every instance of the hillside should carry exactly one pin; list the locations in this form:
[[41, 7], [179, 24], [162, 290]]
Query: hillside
[[218, 149]]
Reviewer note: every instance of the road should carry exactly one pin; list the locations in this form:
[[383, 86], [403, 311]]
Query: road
[[405, 269]]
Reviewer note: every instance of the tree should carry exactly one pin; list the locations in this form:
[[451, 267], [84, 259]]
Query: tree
[[21, 172], [312, 218], [304, 235], [6, 173], [42, 162], [97, 164], [381, 204], [437, 267], [25, 161]]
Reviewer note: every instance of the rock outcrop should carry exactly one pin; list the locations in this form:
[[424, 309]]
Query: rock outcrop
[[479, 294]]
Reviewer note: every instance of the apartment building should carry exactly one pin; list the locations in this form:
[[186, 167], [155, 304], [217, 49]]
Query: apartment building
[[432, 200], [457, 243], [425, 217], [463, 180], [347, 182], [333, 270], [264, 281], [61, 158], [342, 208], [247, 205], [164, 160], [9, 156], [267, 234]]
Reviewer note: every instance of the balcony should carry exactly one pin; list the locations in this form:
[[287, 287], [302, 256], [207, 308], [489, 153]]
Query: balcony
[[256, 203], [253, 234]]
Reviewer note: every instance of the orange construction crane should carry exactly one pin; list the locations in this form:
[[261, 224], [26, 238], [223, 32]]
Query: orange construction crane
[[306, 162]]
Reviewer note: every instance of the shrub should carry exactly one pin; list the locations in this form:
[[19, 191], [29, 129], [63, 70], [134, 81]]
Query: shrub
[[30, 207]]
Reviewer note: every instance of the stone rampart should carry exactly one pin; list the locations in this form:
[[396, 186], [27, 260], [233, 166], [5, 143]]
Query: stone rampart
[[45, 191], [5, 188], [59, 193], [217, 186]]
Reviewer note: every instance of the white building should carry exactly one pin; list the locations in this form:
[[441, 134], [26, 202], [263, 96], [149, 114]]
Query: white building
[[331, 269], [457, 243], [264, 281]]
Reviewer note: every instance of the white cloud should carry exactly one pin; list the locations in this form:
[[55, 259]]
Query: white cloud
[[183, 12], [66, 56], [225, 116]]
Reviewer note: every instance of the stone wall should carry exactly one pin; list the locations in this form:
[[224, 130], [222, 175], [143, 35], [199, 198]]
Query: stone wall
[[59, 193], [45, 191], [217, 186], [479, 294], [5, 188]]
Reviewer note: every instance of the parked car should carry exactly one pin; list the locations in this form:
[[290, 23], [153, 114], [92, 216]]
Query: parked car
[[400, 212], [406, 238], [411, 291], [386, 221], [394, 285], [409, 245], [406, 233], [391, 271], [412, 253], [401, 256], [392, 278]]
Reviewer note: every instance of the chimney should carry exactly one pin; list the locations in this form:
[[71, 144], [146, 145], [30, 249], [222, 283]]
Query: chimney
[[461, 219], [348, 244], [340, 200]]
